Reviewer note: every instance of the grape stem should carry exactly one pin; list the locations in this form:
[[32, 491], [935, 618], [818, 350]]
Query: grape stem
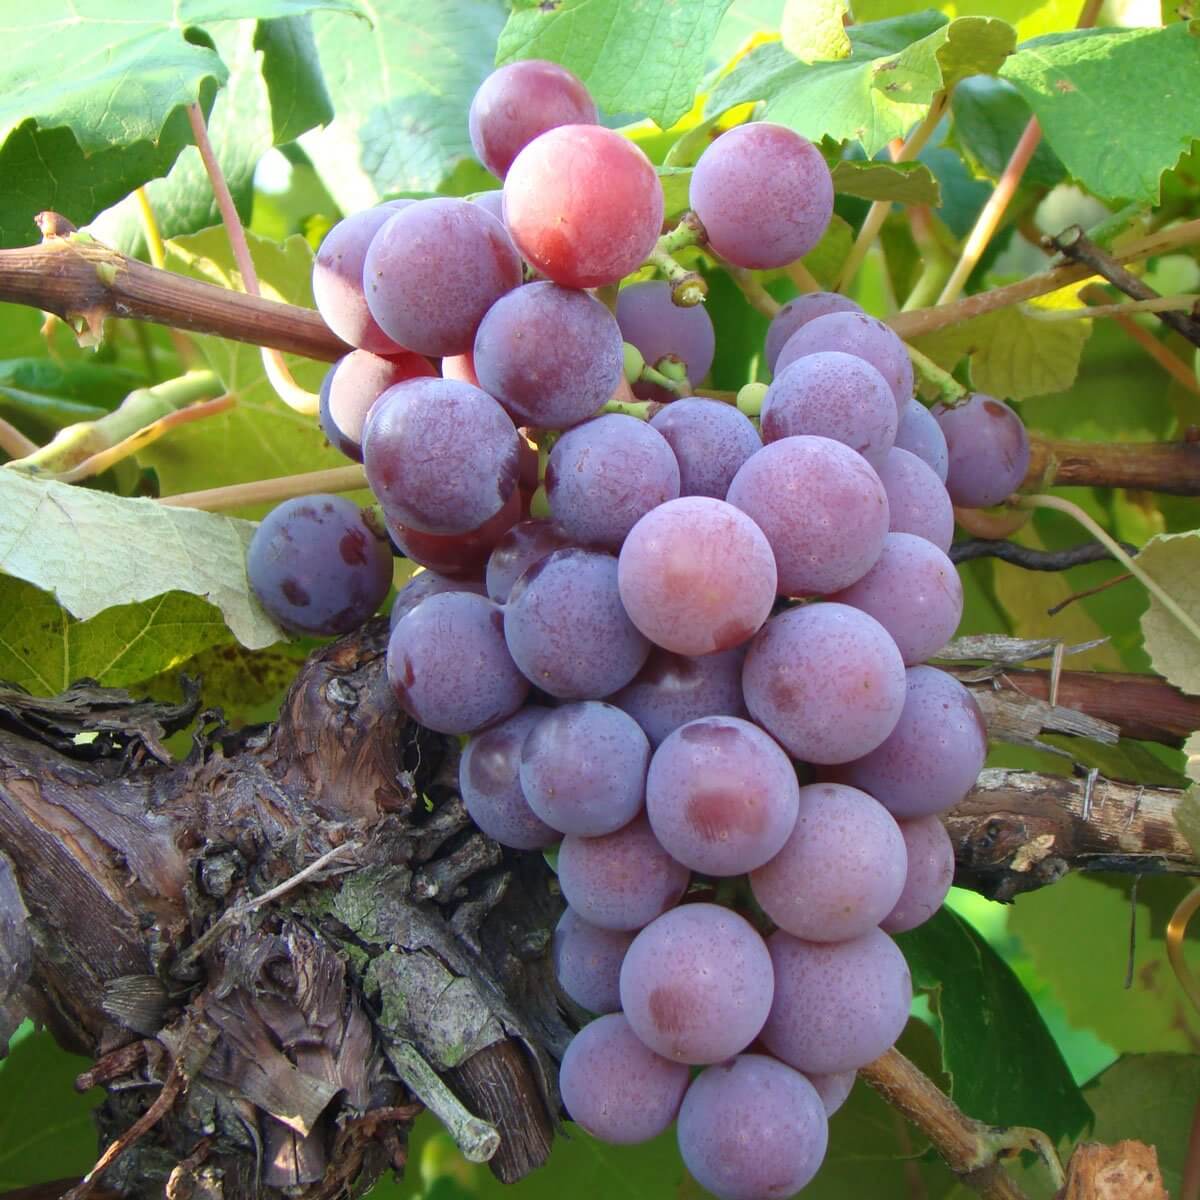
[[756, 295], [688, 288], [643, 410], [185, 351], [13, 442], [1170, 467], [271, 491], [1159, 304], [1030, 558], [942, 384]]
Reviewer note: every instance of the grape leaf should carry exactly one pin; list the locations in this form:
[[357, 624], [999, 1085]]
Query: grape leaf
[[902, 183], [401, 88], [1085, 84], [636, 56], [989, 118], [896, 68], [1173, 560], [291, 69], [814, 30], [43, 649], [1031, 17], [986, 1015], [52, 535]]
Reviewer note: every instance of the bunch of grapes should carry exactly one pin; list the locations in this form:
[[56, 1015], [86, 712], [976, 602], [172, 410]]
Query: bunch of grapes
[[699, 673]]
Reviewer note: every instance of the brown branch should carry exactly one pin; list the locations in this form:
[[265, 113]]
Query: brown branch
[[1172, 467], [1030, 558]]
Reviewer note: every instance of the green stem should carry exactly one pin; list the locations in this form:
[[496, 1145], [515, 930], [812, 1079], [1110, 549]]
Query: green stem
[[642, 409], [687, 287], [949, 391], [678, 387], [756, 295], [1117, 551]]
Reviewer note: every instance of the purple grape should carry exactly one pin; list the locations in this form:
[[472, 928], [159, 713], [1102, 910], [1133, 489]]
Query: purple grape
[[660, 328], [841, 871], [858, 334], [460, 367], [832, 395], [930, 874], [433, 271], [764, 194], [492, 202], [697, 984], [351, 387], [697, 576], [932, 758], [583, 769], [522, 546], [429, 583], [752, 1129], [833, 1089], [616, 1088], [711, 440], [671, 690], [621, 880], [551, 355], [914, 592], [449, 666], [587, 962], [490, 784], [566, 628], [441, 456], [337, 279], [917, 500], [605, 475], [822, 507], [988, 450], [461, 555], [838, 1005], [825, 680], [920, 434], [317, 567], [722, 796], [517, 102], [798, 312]]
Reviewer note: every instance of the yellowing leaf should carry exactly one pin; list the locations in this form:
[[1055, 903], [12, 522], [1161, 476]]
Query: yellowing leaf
[[813, 30]]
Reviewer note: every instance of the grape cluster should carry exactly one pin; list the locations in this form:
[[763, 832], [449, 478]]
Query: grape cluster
[[699, 673]]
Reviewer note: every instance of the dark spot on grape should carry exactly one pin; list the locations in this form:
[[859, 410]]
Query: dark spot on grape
[[671, 1008], [410, 675], [783, 694], [995, 410], [295, 594], [353, 548]]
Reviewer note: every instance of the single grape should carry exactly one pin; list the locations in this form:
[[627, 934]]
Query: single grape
[[722, 796], [697, 576], [833, 1089], [523, 545], [434, 269], [517, 102], [697, 984], [620, 880], [838, 1005], [551, 355], [988, 450], [710, 439], [491, 201], [461, 555], [914, 592], [583, 769], [859, 334], [587, 962], [616, 1088], [566, 628], [764, 194], [317, 567], [825, 680], [660, 328], [920, 434], [799, 311], [449, 667], [351, 387], [583, 205], [832, 395], [441, 456], [752, 1129], [337, 279], [930, 874], [428, 583], [932, 758], [917, 500], [840, 872], [489, 781], [605, 475], [672, 689], [822, 507]]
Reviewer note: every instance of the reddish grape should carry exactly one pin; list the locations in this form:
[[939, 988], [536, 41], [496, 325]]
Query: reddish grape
[[988, 449], [833, 1089], [492, 201], [461, 555], [351, 387]]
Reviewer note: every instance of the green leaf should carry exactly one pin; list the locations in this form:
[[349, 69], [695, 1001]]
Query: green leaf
[[1173, 561], [989, 118], [43, 649], [814, 30], [1031, 17], [902, 183], [988, 1018], [50, 535], [675, 184], [635, 56], [1147, 1097], [896, 68], [1088, 86], [410, 75]]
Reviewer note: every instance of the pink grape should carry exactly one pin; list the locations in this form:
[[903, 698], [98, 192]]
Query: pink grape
[[930, 874], [799, 311], [351, 387], [461, 555], [917, 500], [920, 434], [660, 328], [834, 1089], [587, 962], [988, 450], [710, 439], [523, 545], [492, 202]]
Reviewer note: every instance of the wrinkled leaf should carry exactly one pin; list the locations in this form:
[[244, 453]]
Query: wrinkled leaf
[[1173, 560], [291, 69], [902, 183]]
